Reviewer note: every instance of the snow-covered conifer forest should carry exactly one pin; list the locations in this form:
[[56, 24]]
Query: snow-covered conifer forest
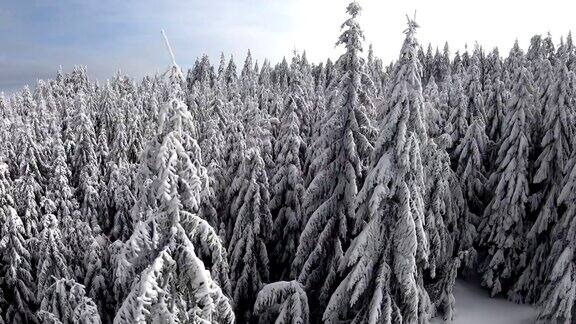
[[351, 191]]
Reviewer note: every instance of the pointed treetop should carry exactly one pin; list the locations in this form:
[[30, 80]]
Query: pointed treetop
[[412, 25], [353, 9]]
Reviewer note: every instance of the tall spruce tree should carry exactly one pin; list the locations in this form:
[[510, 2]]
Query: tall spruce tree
[[476, 105], [384, 265], [549, 167], [52, 262], [16, 269], [458, 118], [287, 188], [252, 227], [557, 302], [338, 171], [505, 219], [433, 118], [85, 167], [470, 157], [160, 276], [29, 185], [497, 97], [447, 227]]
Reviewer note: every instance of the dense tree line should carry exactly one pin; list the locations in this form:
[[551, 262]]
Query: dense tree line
[[295, 192]]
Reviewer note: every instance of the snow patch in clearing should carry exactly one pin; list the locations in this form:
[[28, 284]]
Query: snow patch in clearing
[[474, 306]]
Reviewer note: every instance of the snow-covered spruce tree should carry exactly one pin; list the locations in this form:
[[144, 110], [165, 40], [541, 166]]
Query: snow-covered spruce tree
[[248, 80], [447, 227], [211, 142], [96, 276], [432, 112], [27, 107], [549, 167], [280, 76], [535, 53], [301, 90], [443, 68], [458, 121], [252, 227], [503, 227], [470, 165], [83, 138], [11, 147], [48, 318], [66, 301], [384, 265], [427, 63], [282, 302], [457, 66], [497, 97], [376, 72], [212, 138], [287, 189], [108, 117], [319, 105], [102, 152], [86, 312], [121, 200], [203, 72], [209, 199], [4, 107], [16, 273], [474, 91], [232, 82], [58, 189], [134, 129], [557, 302], [27, 193], [28, 186], [444, 105], [569, 52], [159, 276], [149, 98], [330, 74], [338, 169], [199, 101], [85, 168], [234, 151], [52, 264], [259, 126], [267, 97], [466, 58], [7, 203], [515, 59], [78, 235], [169, 291], [544, 78]]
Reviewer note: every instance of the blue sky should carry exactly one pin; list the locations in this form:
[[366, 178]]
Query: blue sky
[[39, 35]]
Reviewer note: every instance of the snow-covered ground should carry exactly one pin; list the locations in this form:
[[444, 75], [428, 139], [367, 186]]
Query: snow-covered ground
[[474, 306]]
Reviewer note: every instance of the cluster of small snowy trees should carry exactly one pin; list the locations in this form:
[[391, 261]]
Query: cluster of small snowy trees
[[343, 191]]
